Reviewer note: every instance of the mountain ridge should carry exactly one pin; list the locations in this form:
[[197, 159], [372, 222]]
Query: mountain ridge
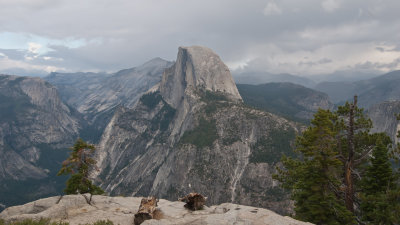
[[292, 101], [371, 91], [198, 139], [36, 128], [97, 96]]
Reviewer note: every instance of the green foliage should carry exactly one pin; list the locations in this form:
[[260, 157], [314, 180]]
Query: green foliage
[[201, 136], [78, 164], [210, 96], [102, 222], [42, 221], [77, 183], [271, 149], [380, 196], [163, 118], [314, 177], [13, 192], [213, 100], [151, 100], [335, 147], [278, 98]]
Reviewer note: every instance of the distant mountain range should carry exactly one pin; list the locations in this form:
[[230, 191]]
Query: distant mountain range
[[370, 92], [264, 77], [97, 95], [36, 128], [292, 101]]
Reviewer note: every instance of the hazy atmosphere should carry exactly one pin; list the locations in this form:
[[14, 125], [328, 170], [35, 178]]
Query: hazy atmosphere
[[255, 112], [306, 38]]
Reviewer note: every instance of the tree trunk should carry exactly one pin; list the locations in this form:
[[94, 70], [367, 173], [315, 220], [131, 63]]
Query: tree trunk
[[348, 176], [147, 209], [194, 201]]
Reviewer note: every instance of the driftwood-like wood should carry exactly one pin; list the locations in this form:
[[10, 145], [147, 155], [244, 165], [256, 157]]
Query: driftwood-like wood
[[194, 201], [147, 210]]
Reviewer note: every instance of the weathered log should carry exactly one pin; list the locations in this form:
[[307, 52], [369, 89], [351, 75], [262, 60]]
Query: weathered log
[[194, 201], [147, 210]]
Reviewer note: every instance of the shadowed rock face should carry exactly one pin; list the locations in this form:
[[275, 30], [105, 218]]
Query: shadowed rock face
[[31, 114], [121, 210], [36, 127], [197, 67], [97, 95], [193, 134]]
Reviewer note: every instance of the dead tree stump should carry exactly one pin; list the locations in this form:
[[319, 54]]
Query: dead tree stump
[[194, 201], [147, 210]]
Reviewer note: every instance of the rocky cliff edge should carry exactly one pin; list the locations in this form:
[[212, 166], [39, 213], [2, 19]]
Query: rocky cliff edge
[[120, 210]]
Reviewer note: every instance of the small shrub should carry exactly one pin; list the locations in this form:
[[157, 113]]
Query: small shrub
[[151, 100], [203, 135], [34, 222], [102, 222]]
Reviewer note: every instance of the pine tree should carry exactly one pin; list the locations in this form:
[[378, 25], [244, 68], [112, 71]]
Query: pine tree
[[334, 152], [78, 165], [315, 177], [377, 203], [355, 144]]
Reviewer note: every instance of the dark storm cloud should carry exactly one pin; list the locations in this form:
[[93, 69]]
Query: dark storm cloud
[[286, 36]]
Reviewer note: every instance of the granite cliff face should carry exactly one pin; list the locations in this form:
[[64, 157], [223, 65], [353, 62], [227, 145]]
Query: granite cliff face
[[383, 116], [34, 125], [197, 67], [193, 133], [97, 95]]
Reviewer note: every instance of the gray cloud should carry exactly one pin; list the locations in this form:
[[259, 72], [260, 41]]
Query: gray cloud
[[287, 36]]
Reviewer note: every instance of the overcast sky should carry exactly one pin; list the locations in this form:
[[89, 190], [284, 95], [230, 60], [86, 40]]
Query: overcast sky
[[303, 37]]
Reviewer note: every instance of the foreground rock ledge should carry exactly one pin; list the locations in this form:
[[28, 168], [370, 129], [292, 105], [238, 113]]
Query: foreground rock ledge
[[121, 210]]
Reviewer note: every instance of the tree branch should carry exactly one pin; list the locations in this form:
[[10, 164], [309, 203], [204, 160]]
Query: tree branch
[[366, 153]]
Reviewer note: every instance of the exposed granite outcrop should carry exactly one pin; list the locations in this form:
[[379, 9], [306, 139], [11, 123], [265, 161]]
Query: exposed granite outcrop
[[196, 67], [120, 210], [383, 116]]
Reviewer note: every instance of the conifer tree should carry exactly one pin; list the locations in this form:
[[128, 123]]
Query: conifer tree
[[315, 177], [378, 189], [325, 180], [78, 165]]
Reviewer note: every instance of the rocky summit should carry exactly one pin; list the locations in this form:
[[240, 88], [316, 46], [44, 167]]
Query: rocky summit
[[120, 210], [192, 133]]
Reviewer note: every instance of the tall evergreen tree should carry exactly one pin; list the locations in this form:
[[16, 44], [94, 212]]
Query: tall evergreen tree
[[315, 177], [379, 197], [355, 143], [334, 152]]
